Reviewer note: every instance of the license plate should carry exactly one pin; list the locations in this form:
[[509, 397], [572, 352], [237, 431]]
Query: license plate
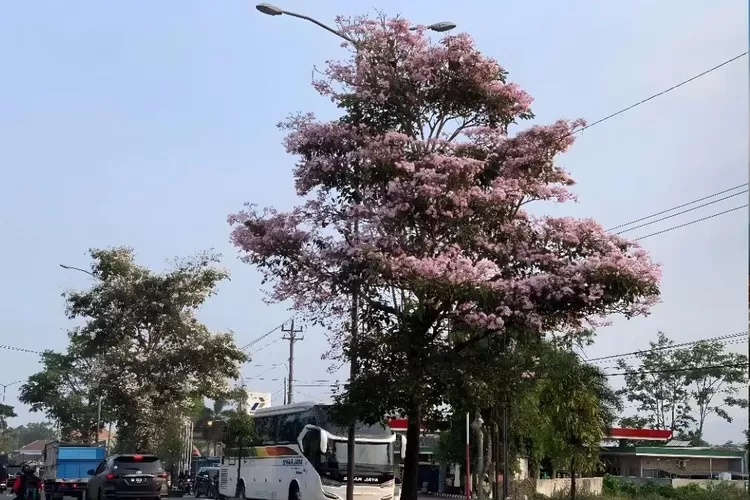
[[138, 480]]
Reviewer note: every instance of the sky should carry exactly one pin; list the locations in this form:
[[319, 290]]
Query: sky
[[147, 123]]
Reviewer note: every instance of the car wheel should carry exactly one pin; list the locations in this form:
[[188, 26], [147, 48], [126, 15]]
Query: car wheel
[[294, 493]]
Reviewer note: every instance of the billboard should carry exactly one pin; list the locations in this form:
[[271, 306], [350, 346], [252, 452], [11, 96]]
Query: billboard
[[258, 400]]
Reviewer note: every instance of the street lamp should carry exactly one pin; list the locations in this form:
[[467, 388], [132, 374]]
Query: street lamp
[[441, 27], [272, 10], [99, 402], [71, 268], [5, 387]]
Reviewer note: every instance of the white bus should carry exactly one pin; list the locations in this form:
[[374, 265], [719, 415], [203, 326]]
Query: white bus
[[300, 453]]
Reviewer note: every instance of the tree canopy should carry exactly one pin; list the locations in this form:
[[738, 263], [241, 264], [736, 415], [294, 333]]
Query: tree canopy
[[416, 201], [140, 348], [678, 388]]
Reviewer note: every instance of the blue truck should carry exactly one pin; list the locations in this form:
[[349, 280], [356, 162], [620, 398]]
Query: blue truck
[[66, 466]]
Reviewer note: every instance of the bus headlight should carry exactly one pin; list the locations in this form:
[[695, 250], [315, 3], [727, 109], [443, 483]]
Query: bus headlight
[[325, 481]]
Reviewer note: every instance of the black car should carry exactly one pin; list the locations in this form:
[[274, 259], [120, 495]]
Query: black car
[[128, 476]]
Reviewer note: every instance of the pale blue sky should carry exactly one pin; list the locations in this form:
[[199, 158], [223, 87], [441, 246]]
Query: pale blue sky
[[146, 123]]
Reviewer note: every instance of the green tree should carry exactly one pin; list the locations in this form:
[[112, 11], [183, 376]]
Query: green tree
[[171, 443], [35, 430], [6, 438], [208, 422], [141, 347], [678, 388], [714, 378], [659, 387], [66, 390], [579, 407], [238, 436]]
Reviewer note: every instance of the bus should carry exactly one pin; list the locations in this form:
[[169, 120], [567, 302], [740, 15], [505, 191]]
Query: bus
[[299, 453]]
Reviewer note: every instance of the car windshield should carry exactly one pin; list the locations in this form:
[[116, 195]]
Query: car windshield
[[369, 458], [147, 465]]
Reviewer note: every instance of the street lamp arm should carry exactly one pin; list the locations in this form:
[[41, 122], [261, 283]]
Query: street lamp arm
[[72, 268], [322, 25]]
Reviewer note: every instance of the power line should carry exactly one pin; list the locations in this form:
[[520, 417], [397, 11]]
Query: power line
[[710, 70], [681, 212], [677, 370], [266, 345], [279, 327], [723, 343], [670, 347], [19, 349], [691, 222], [678, 207]]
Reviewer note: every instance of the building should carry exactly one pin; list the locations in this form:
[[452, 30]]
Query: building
[[674, 461], [630, 457], [31, 452]]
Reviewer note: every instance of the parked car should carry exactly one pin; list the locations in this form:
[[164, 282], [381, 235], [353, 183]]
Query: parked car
[[128, 476]]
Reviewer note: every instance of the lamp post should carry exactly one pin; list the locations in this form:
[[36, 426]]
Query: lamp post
[[99, 399], [273, 10], [441, 27], [5, 387]]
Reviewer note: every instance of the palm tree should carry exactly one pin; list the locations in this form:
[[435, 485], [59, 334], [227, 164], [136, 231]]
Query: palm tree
[[205, 423]]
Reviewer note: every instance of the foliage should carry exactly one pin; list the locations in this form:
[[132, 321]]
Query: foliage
[[713, 374], [171, 442], [67, 391], [239, 430], [140, 347], [417, 201], [209, 421], [579, 407], [560, 414], [14, 438], [684, 386], [6, 412], [616, 488], [658, 388]]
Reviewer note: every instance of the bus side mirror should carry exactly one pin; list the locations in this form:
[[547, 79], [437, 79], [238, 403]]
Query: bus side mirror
[[403, 445]]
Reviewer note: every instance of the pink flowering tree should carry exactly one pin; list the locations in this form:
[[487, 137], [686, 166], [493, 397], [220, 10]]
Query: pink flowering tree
[[418, 197]]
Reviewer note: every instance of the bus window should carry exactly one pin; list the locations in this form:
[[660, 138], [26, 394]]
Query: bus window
[[262, 431], [271, 436], [290, 428]]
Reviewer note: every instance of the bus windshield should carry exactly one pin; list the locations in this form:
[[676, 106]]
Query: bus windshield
[[370, 459]]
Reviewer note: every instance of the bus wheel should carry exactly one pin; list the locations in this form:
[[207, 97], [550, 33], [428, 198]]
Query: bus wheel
[[294, 491]]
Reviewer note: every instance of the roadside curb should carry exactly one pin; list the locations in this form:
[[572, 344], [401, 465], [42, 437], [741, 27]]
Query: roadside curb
[[443, 495]]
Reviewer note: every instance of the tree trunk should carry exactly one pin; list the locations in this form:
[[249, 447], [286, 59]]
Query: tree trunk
[[410, 486], [572, 479]]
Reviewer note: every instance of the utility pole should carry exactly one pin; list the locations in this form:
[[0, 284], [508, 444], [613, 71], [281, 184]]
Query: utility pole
[[292, 338], [284, 390], [480, 456]]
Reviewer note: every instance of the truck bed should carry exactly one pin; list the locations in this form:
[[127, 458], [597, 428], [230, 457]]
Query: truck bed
[[66, 467]]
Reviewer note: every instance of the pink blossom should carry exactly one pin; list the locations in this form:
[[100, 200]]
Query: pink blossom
[[424, 162]]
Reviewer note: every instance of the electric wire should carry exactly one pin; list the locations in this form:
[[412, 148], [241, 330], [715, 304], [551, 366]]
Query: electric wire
[[681, 345], [659, 94], [679, 206], [681, 212], [248, 345], [691, 222]]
